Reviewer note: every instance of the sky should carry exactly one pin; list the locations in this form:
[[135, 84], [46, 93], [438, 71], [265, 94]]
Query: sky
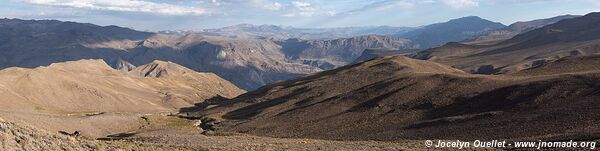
[[154, 15]]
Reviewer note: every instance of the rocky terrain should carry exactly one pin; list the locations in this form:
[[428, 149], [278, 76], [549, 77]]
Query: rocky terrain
[[330, 54], [164, 135], [19, 137]]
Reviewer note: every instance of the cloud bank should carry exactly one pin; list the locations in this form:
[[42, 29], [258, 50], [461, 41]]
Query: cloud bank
[[461, 4], [124, 6]]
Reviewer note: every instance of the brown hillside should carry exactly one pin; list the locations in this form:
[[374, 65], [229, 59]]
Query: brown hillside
[[62, 95], [395, 98], [567, 65]]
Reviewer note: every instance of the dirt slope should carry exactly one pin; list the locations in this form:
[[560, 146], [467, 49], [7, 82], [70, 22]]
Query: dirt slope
[[394, 98], [567, 65], [91, 85], [90, 95]]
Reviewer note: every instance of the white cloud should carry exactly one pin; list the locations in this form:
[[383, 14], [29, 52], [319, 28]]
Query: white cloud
[[396, 4], [594, 2], [384, 5], [272, 6], [331, 13], [299, 4], [289, 15], [215, 2], [237, 4], [124, 6], [461, 4], [303, 9]]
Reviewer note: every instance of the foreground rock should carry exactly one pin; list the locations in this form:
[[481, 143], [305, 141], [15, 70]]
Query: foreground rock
[[19, 137]]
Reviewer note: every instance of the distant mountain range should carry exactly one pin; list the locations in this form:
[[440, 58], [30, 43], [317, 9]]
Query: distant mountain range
[[260, 54], [247, 62], [282, 33], [423, 37]]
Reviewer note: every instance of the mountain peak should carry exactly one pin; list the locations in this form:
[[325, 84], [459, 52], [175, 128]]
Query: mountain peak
[[158, 68], [160, 62], [469, 17], [123, 65], [473, 19]]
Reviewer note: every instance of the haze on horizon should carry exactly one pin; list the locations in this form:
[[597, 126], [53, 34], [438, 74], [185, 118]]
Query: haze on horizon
[[157, 15]]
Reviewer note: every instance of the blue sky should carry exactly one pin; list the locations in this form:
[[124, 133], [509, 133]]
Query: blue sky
[[198, 14]]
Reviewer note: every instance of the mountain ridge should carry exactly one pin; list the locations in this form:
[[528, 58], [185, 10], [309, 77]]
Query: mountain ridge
[[515, 29]]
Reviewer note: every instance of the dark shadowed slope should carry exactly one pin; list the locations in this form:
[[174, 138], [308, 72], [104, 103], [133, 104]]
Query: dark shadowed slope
[[395, 98], [495, 36], [33, 43], [568, 37], [575, 29], [452, 31], [372, 53]]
